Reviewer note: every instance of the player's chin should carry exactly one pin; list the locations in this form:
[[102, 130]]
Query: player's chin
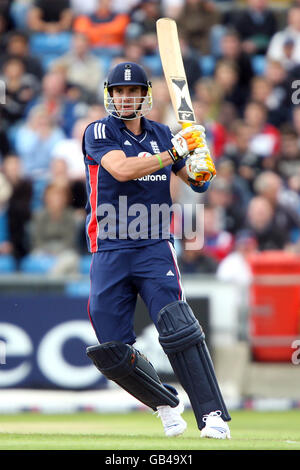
[[128, 113]]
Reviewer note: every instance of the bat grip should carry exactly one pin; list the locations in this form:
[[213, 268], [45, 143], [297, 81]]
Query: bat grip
[[184, 125]]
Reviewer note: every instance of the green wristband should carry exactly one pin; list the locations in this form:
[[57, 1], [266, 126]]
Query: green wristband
[[160, 160]]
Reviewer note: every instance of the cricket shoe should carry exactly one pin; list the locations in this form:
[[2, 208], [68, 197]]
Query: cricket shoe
[[215, 427], [173, 423]]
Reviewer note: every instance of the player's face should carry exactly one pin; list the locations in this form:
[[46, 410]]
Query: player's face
[[128, 99]]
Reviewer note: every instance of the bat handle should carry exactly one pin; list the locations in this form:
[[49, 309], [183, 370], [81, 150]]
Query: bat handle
[[184, 125]]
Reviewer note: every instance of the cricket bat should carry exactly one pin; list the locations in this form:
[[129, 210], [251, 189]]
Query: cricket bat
[[173, 68]]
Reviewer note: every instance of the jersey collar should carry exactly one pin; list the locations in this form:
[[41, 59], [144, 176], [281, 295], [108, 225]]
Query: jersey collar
[[146, 125]]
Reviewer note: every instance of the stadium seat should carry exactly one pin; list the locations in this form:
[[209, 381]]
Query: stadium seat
[[153, 63], [207, 64], [77, 289], [105, 62], [85, 264], [41, 43], [48, 47], [37, 264], [107, 51], [7, 264], [258, 64]]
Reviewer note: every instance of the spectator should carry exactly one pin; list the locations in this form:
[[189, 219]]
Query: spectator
[[241, 194], [18, 11], [104, 28], [196, 262], [265, 140], [279, 101], [275, 99], [231, 49], [222, 198], [4, 143], [216, 134], [119, 6], [144, 15], [210, 95], [20, 89], [256, 25], [218, 241], [19, 205], [88, 7], [79, 63], [70, 152], [296, 121], [64, 109], [285, 44], [17, 45], [260, 220], [50, 17], [6, 23], [5, 194], [164, 109], [94, 112], [53, 233], [195, 22], [35, 141], [237, 150], [285, 215], [134, 52], [227, 80], [191, 64], [235, 268], [172, 8], [143, 24], [289, 157]]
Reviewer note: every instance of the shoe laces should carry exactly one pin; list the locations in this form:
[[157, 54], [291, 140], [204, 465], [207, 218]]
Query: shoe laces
[[167, 415], [213, 413]]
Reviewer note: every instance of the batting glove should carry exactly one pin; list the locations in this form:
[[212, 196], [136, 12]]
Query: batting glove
[[200, 167], [186, 141]]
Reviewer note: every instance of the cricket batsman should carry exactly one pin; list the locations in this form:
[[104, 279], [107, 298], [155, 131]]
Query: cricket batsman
[[120, 152]]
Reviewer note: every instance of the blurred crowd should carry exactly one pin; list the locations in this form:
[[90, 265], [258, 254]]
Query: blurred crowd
[[242, 61]]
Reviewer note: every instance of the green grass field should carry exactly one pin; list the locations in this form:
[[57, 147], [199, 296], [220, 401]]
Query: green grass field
[[251, 430]]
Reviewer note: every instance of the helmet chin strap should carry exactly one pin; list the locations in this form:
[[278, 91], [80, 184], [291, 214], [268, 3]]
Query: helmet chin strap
[[133, 115], [130, 117], [143, 107]]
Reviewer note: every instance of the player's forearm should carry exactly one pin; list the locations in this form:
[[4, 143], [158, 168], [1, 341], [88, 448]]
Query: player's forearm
[[137, 167]]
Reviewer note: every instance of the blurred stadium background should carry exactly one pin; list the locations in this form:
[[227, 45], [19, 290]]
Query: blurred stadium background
[[242, 61]]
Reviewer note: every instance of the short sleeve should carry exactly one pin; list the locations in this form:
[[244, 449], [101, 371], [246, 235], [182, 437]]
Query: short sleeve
[[98, 140]]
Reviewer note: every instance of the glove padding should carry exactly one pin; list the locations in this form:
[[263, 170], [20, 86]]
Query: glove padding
[[188, 140], [200, 166]]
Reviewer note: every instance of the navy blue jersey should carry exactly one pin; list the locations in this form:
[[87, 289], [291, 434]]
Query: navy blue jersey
[[117, 211]]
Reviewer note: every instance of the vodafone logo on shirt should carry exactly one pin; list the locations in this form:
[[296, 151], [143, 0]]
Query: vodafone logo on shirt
[[150, 177]]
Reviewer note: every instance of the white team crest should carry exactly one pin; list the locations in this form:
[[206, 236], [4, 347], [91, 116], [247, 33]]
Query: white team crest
[[154, 146], [127, 74]]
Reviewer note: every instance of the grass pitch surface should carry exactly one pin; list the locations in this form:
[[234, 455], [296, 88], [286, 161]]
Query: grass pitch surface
[[250, 430]]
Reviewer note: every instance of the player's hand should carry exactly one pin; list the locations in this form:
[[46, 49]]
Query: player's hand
[[200, 167], [186, 141]]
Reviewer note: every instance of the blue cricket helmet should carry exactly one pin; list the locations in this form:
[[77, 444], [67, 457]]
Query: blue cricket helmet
[[127, 73]]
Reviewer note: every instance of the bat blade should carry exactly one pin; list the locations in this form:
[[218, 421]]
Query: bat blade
[[174, 72]]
